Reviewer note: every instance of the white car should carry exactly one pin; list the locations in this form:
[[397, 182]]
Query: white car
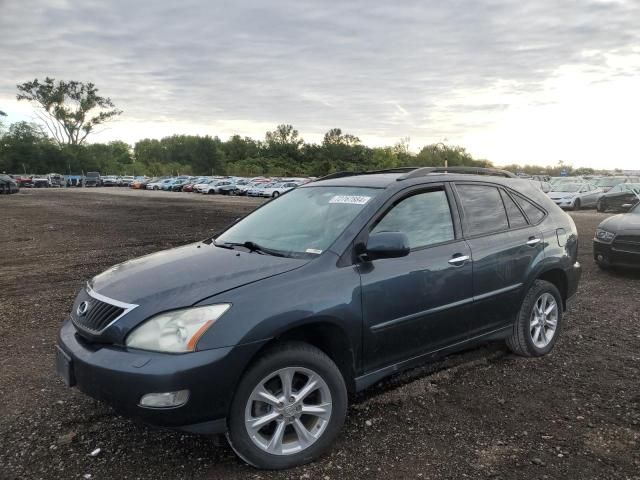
[[256, 190], [126, 181], [574, 196], [220, 186], [158, 185], [110, 180], [202, 186], [277, 189]]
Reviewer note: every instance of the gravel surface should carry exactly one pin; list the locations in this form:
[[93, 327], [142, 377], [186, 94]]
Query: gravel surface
[[485, 413]]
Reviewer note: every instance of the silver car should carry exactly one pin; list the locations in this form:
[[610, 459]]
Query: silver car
[[574, 196]]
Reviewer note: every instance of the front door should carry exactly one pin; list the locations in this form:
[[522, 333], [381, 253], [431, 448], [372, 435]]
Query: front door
[[418, 303]]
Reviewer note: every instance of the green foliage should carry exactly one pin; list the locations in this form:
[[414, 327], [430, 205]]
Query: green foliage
[[69, 110], [25, 147], [436, 155]]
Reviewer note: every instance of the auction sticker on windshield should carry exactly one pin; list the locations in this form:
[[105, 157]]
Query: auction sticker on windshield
[[350, 199]]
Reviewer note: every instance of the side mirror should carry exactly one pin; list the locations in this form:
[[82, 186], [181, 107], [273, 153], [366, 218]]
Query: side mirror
[[387, 245]]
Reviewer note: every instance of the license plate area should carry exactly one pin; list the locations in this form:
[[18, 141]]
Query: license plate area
[[64, 367]]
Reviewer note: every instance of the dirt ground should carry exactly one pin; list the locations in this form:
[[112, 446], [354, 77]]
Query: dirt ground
[[574, 414]]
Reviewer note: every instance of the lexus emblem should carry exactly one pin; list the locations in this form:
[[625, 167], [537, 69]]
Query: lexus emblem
[[82, 309]]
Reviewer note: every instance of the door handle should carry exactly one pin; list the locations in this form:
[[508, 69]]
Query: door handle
[[458, 260], [533, 241]]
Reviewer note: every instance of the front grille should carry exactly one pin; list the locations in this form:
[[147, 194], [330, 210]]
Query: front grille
[[97, 316], [627, 243]]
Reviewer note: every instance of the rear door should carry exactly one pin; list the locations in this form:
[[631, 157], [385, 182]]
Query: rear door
[[418, 303], [505, 246]]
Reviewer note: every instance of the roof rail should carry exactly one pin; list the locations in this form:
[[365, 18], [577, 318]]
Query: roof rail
[[346, 173], [421, 172], [415, 172]]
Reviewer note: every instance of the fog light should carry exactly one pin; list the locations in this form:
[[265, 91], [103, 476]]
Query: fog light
[[165, 399], [600, 257]]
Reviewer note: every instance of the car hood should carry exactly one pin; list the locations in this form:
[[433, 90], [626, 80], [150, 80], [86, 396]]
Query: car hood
[[556, 195], [183, 276], [626, 222]]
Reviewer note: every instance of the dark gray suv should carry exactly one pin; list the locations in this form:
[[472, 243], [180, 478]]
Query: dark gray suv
[[264, 331]]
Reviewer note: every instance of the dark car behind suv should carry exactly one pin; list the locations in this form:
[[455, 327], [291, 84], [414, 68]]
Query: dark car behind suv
[[264, 331]]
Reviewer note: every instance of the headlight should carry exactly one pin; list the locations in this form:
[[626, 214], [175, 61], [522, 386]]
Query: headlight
[[604, 236], [177, 331]]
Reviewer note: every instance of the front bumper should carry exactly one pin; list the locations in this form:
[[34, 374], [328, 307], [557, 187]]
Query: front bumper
[[607, 254], [562, 203], [120, 377]]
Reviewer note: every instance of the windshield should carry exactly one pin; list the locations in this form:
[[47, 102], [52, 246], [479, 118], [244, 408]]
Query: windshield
[[609, 182], [567, 187], [304, 222]]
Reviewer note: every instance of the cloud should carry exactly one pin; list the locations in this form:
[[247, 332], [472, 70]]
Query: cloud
[[381, 70]]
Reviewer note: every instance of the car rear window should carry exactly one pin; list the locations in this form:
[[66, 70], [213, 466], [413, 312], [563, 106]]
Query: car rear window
[[534, 213], [516, 218], [484, 211]]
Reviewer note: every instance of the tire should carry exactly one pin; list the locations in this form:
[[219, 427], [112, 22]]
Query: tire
[[302, 359], [576, 205], [522, 341], [275, 194], [601, 207]]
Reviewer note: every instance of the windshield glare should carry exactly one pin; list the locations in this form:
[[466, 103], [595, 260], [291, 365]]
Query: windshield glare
[[302, 223]]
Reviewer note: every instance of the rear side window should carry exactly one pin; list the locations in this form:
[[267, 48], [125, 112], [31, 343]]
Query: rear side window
[[516, 218], [424, 217], [483, 209], [534, 213]]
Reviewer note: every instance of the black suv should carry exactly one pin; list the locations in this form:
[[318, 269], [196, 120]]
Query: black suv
[[264, 331]]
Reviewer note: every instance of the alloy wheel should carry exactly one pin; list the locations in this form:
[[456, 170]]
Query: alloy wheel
[[288, 411], [544, 320]]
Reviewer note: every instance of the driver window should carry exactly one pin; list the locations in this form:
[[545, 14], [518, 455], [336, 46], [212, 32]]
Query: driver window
[[424, 217]]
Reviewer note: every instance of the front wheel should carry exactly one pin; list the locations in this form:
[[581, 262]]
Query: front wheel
[[288, 409], [275, 194], [537, 325]]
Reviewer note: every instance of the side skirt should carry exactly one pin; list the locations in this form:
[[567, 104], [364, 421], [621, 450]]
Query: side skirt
[[368, 379]]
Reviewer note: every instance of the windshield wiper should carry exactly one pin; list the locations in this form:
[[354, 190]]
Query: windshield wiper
[[252, 247]]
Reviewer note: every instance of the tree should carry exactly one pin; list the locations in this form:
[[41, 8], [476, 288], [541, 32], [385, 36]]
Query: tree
[[25, 148], [284, 135], [2, 114], [435, 156], [284, 143], [70, 110], [335, 137]]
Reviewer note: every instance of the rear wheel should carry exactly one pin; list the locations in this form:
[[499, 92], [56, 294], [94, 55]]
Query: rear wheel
[[577, 204], [538, 323], [275, 194], [288, 409], [601, 207]]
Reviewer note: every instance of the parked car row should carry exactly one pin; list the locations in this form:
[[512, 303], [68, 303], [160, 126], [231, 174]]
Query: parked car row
[[252, 187], [618, 193], [38, 181]]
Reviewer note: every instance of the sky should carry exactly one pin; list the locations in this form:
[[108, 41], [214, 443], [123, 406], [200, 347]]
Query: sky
[[512, 81]]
